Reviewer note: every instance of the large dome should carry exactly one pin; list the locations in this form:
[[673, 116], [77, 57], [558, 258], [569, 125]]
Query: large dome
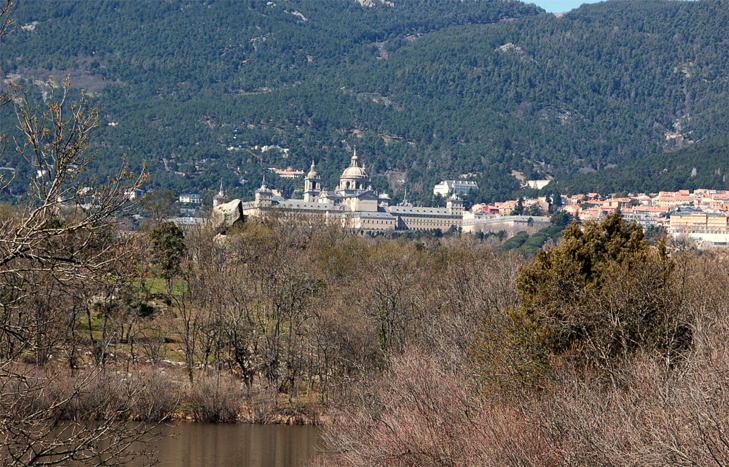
[[354, 172], [354, 178]]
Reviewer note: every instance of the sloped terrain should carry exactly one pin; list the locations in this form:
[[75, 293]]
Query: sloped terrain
[[223, 89]]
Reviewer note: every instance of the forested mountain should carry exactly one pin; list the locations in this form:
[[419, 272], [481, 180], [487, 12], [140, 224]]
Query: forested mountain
[[702, 165], [424, 88]]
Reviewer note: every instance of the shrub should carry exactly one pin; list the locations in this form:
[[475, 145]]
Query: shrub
[[145, 395], [215, 399], [598, 297], [427, 411], [659, 416], [158, 397], [516, 241]]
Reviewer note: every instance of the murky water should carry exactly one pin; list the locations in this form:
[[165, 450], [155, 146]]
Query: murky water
[[195, 444]]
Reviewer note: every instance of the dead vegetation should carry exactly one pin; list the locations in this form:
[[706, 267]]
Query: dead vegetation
[[435, 404]]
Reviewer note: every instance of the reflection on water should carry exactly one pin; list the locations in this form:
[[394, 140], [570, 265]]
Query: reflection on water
[[196, 444]]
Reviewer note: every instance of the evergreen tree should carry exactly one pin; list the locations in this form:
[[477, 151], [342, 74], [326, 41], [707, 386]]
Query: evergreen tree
[[169, 249], [598, 297]]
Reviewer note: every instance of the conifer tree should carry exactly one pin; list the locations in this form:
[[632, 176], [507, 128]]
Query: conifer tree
[[600, 295]]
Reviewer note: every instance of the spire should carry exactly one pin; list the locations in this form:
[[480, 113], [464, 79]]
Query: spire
[[263, 194], [353, 162], [312, 171], [220, 197]]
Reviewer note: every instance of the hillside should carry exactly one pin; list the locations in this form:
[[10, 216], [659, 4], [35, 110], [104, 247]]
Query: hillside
[[426, 88], [704, 164]]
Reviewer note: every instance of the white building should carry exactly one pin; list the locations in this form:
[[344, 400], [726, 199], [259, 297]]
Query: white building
[[190, 198], [133, 194], [484, 223], [447, 188], [288, 172], [537, 184]]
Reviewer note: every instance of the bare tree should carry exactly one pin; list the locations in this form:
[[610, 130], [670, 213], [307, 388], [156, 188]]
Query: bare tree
[[62, 238], [425, 410]]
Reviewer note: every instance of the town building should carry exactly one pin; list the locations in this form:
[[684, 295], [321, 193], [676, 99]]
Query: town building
[[537, 184], [479, 222], [706, 228], [132, 194], [673, 199], [190, 198], [447, 188], [288, 172]]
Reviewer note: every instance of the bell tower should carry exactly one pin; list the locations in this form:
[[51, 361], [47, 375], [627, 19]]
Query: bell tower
[[312, 185]]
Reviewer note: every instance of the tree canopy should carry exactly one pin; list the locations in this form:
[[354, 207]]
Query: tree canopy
[[601, 295]]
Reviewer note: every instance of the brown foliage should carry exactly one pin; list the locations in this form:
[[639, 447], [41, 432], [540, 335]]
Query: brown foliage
[[60, 418], [215, 399], [427, 411], [654, 407], [661, 413]]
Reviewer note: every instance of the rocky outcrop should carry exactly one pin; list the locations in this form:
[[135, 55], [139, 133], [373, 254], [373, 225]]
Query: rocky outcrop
[[226, 214], [372, 3]]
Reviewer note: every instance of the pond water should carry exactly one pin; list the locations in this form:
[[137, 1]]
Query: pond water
[[197, 444]]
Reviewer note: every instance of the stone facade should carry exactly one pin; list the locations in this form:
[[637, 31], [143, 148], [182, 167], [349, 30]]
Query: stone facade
[[352, 205]]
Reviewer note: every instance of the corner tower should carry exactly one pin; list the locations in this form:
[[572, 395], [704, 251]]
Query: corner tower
[[263, 195], [455, 205]]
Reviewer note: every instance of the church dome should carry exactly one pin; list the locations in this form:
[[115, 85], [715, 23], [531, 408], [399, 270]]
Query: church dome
[[354, 171]]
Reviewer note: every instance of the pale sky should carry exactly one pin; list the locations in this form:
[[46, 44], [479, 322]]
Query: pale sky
[[560, 6]]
